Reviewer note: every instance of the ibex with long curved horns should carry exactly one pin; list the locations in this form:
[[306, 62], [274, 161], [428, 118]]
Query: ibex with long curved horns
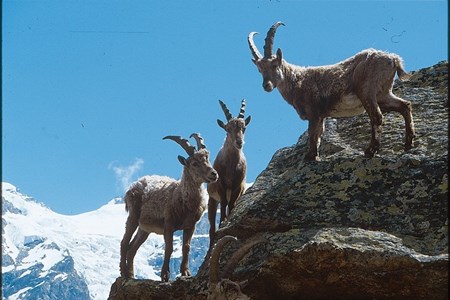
[[220, 287], [163, 205], [231, 165], [360, 83]]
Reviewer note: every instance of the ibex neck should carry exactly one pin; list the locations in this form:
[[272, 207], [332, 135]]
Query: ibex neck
[[293, 76], [188, 183], [231, 155], [230, 148], [191, 191]]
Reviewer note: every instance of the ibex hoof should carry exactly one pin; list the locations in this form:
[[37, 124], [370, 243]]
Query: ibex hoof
[[408, 144], [165, 277], [312, 157], [369, 153], [127, 275]]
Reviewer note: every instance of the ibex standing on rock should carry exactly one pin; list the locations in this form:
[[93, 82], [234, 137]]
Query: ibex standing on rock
[[231, 165], [360, 83], [167, 205]]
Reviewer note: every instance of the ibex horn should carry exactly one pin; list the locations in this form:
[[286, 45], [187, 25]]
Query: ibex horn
[[226, 111], [242, 111], [253, 48], [214, 276], [199, 139], [237, 256], [269, 39], [190, 150]]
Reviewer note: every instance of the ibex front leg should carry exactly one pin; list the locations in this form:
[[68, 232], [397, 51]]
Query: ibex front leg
[[315, 130], [187, 236], [212, 212]]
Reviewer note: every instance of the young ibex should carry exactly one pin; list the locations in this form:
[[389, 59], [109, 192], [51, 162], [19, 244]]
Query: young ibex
[[220, 287], [231, 165], [167, 206], [362, 82]]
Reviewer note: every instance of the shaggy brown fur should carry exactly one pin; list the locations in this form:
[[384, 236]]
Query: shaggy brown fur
[[163, 205], [360, 83]]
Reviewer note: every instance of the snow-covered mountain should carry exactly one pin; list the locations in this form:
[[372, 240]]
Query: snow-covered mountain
[[46, 255]]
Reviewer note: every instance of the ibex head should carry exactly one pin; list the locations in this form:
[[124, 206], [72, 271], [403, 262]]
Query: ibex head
[[268, 65], [197, 163], [235, 127]]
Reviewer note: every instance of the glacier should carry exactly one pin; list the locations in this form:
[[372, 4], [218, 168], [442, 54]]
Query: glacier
[[46, 255]]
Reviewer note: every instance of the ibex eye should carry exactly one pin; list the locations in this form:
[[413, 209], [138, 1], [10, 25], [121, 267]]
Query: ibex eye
[[195, 164]]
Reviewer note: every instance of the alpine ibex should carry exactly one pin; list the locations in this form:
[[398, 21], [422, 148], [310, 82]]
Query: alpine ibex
[[231, 165], [167, 205], [360, 83]]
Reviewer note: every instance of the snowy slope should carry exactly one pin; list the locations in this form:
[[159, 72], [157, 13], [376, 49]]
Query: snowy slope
[[61, 256]]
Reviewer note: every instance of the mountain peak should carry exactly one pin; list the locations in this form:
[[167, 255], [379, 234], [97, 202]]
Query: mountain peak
[[8, 187], [15, 202]]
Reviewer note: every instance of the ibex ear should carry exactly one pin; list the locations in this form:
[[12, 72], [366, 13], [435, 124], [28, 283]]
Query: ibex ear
[[247, 120], [182, 160], [254, 61], [279, 56], [221, 124]]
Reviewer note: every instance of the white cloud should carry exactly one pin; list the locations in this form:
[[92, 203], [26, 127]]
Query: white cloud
[[126, 175]]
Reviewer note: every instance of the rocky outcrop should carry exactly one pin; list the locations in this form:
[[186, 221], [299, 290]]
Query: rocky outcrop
[[346, 227]]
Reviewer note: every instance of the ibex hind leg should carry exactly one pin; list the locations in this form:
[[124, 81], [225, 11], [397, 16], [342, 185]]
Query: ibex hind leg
[[168, 249], [130, 228], [390, 102], [137, 241], [369, 101]]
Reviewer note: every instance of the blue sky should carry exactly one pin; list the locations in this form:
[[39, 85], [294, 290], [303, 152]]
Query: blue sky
[[90, 87]]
